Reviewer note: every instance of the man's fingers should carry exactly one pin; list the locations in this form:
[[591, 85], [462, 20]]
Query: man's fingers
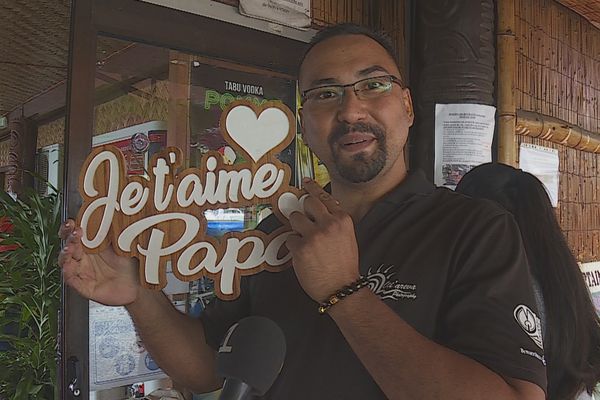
[[70, 256], [73, 279], [317, 192], [66, 254], [300, 223], [293, 242], [69, 265], [66, 228], [74, 242], [63, 256], [314, 209]]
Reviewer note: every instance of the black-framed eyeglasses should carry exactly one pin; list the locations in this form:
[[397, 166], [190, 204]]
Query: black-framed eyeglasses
[[364, 89]]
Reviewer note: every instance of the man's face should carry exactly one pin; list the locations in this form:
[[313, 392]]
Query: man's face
[[357, 140]]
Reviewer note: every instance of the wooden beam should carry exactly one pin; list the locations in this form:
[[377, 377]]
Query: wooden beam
[[197, 34], [556, 131], [45, 105]]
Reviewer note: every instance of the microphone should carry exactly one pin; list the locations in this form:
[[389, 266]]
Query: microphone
[[250, 358]]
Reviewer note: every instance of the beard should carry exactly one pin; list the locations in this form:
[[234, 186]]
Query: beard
[[361, 167]]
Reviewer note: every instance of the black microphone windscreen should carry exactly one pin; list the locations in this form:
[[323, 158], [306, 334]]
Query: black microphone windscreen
[[252, 351]]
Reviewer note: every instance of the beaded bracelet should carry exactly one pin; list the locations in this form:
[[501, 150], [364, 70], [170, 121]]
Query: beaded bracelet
[[344, 292]]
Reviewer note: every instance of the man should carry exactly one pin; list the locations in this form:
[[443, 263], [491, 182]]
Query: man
[[447, 276]]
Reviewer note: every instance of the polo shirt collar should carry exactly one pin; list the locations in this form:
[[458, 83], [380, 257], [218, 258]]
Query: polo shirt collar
[[415, 183], [415, 186]]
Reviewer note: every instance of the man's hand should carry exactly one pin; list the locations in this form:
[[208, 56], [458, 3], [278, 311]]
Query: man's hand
[[105, 277], [324, 249]]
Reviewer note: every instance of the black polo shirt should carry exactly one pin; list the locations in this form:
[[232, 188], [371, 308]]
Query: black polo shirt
[[451, 266]]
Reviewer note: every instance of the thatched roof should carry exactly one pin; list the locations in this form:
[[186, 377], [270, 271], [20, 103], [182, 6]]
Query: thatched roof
[[590, 9], [34, 45], [33, 48]]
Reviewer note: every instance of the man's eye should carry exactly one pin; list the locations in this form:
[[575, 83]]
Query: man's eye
[[375, 85], [325, 94]]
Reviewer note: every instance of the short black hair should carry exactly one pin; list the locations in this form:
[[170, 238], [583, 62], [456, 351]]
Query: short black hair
[[348, 28]]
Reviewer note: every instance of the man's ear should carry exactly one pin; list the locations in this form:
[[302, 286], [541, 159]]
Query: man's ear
[[408, 106], [301, 121]]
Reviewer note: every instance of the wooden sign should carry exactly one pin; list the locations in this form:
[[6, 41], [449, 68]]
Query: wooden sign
[[160, 217]]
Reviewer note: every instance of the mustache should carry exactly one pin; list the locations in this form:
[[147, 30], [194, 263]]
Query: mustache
[[343, 129]]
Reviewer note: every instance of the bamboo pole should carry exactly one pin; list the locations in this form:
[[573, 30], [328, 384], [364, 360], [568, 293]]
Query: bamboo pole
[[506, 55], [557, 131]]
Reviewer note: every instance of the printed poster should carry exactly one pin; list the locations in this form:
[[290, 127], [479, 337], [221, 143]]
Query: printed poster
[[294, 13], [591, 275], [463, 140], [543, 163], [117, 356]]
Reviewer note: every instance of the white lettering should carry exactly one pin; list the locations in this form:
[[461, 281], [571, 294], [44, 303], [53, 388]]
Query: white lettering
[[162, 217], [133, 198], [155, 249], [267, 175], [108, 202], [161, 200]]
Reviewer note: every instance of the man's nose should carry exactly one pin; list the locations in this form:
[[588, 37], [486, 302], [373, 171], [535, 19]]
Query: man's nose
[[351, 109]]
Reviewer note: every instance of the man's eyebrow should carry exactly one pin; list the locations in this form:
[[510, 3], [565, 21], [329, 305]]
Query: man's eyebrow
[[324, 81], [362, 72], [371, 69]]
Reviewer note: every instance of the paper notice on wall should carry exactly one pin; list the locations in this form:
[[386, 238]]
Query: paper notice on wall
[[294, 13], [463, 140], [543, 163], [591, 275], [117, 356]]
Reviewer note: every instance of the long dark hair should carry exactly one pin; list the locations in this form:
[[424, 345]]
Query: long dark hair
[[572, 334]]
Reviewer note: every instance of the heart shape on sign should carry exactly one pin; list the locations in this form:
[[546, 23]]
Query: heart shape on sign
[[258, 130], [288, 203]]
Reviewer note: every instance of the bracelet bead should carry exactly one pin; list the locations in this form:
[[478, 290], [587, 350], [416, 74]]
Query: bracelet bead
[[340, 294]]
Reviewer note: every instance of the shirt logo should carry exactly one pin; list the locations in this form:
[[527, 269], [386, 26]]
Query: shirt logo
[[381, 282], [530, 323]]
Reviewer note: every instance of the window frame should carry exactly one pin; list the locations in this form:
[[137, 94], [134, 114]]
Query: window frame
[[156, 25]]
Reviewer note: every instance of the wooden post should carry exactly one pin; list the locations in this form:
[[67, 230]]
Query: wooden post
[[506, 63], [74, 328], [14, 177], [178, 128], [438, 76], [21, 156]]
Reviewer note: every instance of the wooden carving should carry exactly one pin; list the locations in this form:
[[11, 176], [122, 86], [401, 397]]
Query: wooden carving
[[160, 217]]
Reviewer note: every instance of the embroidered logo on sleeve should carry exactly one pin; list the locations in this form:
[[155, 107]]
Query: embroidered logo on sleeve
[[381, 282], [530, 323], [533, 354]]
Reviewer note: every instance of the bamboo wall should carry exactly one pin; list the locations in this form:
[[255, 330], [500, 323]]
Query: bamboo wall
[[579, 198], [558, 63], [558, 74]]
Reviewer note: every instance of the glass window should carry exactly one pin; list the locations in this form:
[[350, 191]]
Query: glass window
[[148, 97]]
